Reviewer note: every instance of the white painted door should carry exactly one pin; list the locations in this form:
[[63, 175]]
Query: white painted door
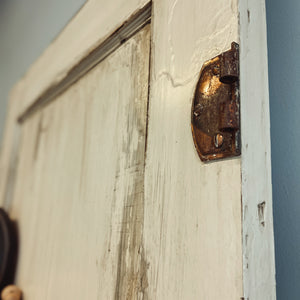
[[100, 170], [79, 190]]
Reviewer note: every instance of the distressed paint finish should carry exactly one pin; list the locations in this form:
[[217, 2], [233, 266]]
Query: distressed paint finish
[[192, 233], [258, 239], [90, 27], [190, 246], [80, 185]]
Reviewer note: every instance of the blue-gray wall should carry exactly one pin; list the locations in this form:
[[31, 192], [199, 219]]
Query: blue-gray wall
[[283, 22], [27, 27]]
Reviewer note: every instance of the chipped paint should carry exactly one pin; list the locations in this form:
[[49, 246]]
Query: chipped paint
[[258, 239]]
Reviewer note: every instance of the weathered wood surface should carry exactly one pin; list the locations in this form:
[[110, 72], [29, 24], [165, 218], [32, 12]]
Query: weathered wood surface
[[258, 237], [96, 21], [193, 239], [190, 246], [79, 191]]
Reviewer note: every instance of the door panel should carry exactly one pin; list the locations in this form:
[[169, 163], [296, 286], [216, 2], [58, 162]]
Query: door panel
[[79, 191]]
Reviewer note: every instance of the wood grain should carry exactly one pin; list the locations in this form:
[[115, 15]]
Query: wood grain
[[79, 191]]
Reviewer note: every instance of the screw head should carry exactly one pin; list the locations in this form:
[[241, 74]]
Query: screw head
[[219, 140]]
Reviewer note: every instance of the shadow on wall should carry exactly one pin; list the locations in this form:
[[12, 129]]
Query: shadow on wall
[[283, 24]]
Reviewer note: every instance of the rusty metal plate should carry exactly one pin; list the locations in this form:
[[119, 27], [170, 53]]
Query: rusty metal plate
[[215, 110]]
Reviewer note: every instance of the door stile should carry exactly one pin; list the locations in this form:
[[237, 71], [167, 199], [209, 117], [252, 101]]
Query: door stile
[[192, 232], [258, 237]]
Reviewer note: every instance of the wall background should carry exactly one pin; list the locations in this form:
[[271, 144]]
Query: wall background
[[283, 24], [27, 27]]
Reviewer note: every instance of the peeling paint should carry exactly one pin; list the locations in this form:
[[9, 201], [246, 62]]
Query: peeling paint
[[132, 265], [261, 213]]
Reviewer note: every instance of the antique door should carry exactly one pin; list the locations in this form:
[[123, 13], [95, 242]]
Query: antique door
[[100, 171]]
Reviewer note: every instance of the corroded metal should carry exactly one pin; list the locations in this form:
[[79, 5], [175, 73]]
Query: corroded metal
[[215, 110]]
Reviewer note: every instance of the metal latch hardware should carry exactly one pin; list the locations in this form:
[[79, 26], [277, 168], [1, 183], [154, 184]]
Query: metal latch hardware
[[216, 107]]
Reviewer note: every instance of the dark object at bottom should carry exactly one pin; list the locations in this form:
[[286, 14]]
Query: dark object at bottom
[[8, 249]]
